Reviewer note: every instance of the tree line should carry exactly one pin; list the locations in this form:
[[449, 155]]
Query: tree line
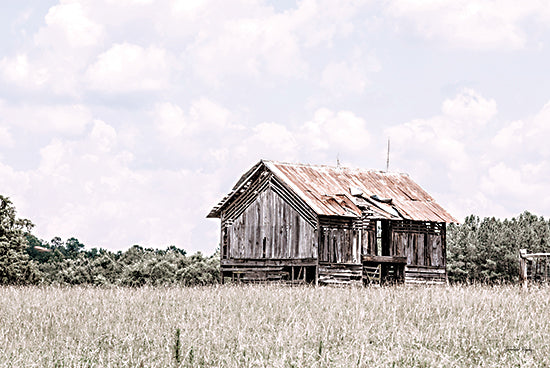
[[478, 250], [26, 259], [487, 250]]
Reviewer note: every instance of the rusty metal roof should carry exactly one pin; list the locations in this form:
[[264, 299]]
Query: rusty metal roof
[[343, 191]]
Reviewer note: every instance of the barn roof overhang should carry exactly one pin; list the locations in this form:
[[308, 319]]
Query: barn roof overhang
[[241, 185]]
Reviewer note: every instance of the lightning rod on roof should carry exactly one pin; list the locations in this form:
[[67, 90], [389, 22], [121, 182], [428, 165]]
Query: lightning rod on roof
[[388, 157], [338, 159]]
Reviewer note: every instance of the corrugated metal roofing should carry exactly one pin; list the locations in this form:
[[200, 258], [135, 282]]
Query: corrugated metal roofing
[[327, 190]]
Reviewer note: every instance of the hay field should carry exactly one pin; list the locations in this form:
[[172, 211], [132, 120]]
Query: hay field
[[275, 326]]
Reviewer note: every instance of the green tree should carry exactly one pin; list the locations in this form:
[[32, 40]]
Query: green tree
[[487, 250], [73, 247], [15, 266]]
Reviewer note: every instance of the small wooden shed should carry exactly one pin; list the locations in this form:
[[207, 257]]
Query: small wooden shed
[[330, 225]]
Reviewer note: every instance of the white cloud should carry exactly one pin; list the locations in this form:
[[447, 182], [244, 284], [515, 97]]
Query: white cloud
[[470, 23], [187, 7], [89, 183], [130, 68], [170, 119], [62, 119], [15, 185], [510, 136], [445, 135], [320, 22], [6, 138], [245, 39], [59, 51], [207, 133], [448, 151], [203, 117], [272, 141], [538, 131], [52, 157], [349, 76], [502, 180], [331, 131], [20, 71], [130, 2], [103, 136], [247, 48], [69, 23], [249, 39], [477, 169], [209, 115], [519, 187], [525, 139], [470, 108]]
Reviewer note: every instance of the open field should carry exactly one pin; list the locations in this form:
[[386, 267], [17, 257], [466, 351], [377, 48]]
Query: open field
[[275, 326]]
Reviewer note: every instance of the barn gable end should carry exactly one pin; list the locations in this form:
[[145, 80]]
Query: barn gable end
[[270, 228]]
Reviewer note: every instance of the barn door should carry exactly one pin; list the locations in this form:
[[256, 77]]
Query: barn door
[[376, 240]]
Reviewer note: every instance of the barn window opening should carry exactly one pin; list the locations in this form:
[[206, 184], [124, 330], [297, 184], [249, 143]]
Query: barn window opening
[[225, 244], [378, 238], [264, 247]]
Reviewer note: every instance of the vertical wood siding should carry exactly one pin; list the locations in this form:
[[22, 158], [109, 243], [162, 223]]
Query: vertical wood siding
[[422, 243], [271, 221], [339, 241]]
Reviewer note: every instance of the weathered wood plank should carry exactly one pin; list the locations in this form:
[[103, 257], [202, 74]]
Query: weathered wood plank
[[420, 246], [268, 262], [384, 259]]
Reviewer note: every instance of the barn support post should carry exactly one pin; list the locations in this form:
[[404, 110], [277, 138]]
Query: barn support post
[[317, 273], [523, 267]]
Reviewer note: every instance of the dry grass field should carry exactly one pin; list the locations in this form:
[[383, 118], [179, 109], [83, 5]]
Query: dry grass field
[[275, 326]]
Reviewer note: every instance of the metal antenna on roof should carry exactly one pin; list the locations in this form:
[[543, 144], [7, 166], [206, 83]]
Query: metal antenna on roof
[[388, 157], [338, 159]]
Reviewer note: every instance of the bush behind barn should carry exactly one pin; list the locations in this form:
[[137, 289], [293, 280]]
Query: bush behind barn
[[136, 266]]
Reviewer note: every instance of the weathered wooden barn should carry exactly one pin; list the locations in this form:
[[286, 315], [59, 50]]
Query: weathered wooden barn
[[330, 225]]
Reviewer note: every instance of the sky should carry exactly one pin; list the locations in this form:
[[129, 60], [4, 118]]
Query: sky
[[124, 122]]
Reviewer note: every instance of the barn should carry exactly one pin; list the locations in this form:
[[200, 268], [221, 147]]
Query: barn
[[317, 224]]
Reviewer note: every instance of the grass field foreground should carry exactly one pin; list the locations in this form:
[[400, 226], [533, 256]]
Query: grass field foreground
[[275, 326]]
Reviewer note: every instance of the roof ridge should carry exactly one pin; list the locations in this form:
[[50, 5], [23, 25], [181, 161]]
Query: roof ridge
[[334, 167]]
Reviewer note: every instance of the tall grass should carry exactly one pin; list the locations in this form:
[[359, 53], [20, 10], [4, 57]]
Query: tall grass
[[275, 326]]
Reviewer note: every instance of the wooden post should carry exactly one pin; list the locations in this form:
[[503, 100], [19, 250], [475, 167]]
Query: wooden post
[[523, 267], [317, 249], [546, 269], [317, 273]]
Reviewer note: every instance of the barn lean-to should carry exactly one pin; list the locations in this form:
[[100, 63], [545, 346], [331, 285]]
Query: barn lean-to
[[330, 225]]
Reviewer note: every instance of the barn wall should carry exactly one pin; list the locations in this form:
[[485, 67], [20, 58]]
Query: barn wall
[[340, 241], [421, 242], [269, 228]]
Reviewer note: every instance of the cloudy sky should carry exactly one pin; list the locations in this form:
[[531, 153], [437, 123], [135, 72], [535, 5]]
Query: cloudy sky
[[124, 121]]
